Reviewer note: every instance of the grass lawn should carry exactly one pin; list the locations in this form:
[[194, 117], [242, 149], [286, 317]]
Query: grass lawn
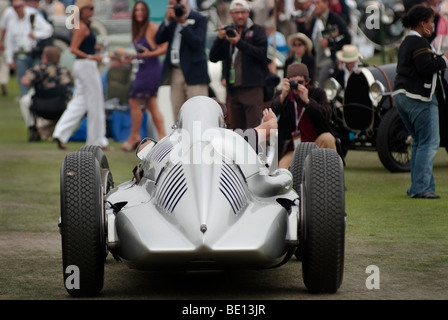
[[406, 238]]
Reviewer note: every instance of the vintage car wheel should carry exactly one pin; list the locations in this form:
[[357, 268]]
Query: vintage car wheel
[[393, 143], [82, 223], [108, 182], [298, 159], [296, 169], [323, 221]]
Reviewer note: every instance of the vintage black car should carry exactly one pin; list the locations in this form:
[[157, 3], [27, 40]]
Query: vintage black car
[[365, 117]]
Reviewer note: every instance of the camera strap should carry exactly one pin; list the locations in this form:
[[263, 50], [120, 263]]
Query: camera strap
[[298, 116], [232, 66]]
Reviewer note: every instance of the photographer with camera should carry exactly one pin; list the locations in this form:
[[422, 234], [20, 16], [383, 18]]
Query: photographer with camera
[[185, 66], [304, 114], [242, 46], [329, 33]]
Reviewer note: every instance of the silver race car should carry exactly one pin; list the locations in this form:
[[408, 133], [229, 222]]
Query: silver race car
[[204, 197]]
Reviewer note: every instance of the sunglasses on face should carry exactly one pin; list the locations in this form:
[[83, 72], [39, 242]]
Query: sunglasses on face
[[297, 44], [90, 8]]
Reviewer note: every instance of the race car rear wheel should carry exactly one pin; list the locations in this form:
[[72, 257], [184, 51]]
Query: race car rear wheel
[[82, 228], [323, 229]]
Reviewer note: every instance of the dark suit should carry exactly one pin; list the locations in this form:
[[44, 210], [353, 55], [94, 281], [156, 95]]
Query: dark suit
[[193, 59], [334, 44]]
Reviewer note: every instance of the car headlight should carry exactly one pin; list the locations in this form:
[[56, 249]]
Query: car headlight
[[376, 92], [332, 88]]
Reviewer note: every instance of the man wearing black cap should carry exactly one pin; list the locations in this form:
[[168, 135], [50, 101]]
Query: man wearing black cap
[[304, 114]]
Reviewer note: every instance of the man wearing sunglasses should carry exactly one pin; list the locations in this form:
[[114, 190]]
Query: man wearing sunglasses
[[304, 114]]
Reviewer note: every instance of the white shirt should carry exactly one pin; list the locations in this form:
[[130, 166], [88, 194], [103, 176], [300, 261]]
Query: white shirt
[[10, 13], [17, 31]]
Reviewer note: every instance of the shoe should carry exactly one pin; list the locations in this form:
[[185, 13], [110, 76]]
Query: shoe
[[60, 144], [108, 148], [4, 90], [426, 195], [34, 135], [129, 147]]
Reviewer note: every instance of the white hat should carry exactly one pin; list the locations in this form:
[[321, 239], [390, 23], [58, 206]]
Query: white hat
[[237, 4], [349, 53], [302, 37]]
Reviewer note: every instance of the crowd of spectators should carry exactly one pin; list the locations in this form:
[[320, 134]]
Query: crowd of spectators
[[314, 35]]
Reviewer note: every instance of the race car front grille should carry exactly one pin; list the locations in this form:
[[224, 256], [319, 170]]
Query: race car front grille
[[232, 188], [162, 149], [171, 189]]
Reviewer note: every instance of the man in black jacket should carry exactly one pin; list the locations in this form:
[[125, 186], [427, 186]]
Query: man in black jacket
[[243, 50], [329, 33], [304, 114]]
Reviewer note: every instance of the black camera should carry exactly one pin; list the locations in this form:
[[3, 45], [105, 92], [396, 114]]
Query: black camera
[[294, 84], [230, 30], [140, 48], [179, 9]]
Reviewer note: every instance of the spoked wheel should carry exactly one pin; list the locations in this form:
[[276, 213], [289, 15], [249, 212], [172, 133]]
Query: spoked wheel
[[82, 224], [322, 228], [393, 143], [296, 169]]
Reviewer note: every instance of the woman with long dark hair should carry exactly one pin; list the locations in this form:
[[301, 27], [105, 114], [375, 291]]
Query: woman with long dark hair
[[88, 96], [416, 83], [146, 83]]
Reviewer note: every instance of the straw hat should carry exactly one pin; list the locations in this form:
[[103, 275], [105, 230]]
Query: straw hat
[[81, 4], [302, 37], [349, 53]]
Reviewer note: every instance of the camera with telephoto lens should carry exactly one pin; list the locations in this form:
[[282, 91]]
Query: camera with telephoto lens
[[230, 30], [179, 9]]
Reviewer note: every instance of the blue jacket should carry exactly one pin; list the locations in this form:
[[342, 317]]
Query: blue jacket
[[193, 59]]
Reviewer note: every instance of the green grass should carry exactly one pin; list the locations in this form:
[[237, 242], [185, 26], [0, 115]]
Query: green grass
[[406, 238], [29, 172]]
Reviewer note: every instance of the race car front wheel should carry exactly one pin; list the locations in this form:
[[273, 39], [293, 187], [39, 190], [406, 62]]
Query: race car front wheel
[[82, 229], [323, 222]]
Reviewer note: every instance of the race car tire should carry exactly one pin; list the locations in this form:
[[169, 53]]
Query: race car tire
[[298, 159], [323, 239], [82, 230], [108, 182], [296, 169], [392, 143]]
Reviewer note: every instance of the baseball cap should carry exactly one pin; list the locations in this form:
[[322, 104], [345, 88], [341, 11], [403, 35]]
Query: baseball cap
[[239, 4]]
